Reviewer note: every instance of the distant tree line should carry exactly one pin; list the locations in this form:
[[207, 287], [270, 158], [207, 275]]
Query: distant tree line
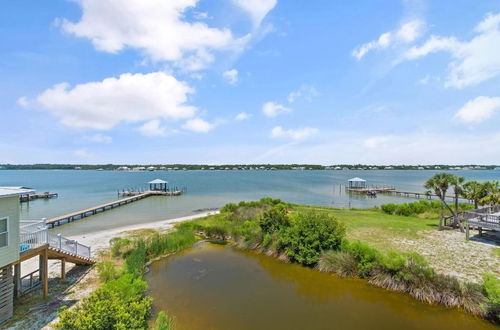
[[111, 167]]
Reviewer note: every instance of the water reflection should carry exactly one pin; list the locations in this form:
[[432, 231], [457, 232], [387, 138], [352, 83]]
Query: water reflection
[[218, 287]]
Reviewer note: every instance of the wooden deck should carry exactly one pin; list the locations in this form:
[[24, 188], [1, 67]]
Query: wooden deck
[[483, 218], [57, 221]]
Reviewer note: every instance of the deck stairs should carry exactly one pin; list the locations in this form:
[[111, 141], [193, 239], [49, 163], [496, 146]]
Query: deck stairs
[[34, 234]]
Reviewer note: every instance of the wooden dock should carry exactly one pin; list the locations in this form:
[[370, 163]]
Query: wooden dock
[[389, 190], [57, 221], [44, 195]]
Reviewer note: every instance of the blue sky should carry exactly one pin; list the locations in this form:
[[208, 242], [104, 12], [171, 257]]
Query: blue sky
[[254, 81]]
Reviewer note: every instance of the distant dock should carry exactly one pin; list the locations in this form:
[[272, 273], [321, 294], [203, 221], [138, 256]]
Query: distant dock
[[44, 195]]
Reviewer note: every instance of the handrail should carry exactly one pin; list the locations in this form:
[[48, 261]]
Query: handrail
[[36, 234]]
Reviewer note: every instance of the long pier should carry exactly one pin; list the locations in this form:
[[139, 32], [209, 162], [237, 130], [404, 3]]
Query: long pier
[[57, 221], [387, 190]]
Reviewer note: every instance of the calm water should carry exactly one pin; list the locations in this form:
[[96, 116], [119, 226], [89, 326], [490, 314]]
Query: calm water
[[215, 287], [206, 189]]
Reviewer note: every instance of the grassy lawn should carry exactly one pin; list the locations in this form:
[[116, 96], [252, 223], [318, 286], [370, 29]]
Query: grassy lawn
[[374, 221]]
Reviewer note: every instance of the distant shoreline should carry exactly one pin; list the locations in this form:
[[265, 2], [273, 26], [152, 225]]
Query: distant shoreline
[[243, 167]]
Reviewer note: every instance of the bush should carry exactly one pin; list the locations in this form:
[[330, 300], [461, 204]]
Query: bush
[[118, 304], [274, 219], [389, 208], [164, 322], [491, 285], [310, 235], [118, 244], [135, 261], [216, 232], [229, 208], [366, 256], [107, 271]]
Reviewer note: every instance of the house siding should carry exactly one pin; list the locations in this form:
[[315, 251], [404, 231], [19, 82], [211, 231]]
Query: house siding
[[9, 207]]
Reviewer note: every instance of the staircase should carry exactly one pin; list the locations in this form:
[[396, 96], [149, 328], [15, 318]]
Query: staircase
[[34, 234]]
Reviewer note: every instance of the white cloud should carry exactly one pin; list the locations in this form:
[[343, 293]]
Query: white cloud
[[473, 61], [198, 125], [272, 109], [479, 109], [23, 102], [231, 76], [407, 33], [152, 128], [375, 141], [156, 27], [305, 91], [294, 134], [128, 98], [98, 138], [256, 9], [242, 116]]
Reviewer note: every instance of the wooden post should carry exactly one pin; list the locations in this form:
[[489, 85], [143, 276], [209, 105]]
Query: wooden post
[[480, 231], [17, 279], [63, 269], [467, 231], [44, 272]]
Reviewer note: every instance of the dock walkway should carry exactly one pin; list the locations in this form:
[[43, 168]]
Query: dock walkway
[[57, 221]]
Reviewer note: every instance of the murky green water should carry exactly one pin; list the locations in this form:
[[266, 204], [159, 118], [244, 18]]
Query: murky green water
[[217, 287]]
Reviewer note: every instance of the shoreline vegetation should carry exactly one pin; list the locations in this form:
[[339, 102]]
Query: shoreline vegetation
[[191, 167], [312, 236]]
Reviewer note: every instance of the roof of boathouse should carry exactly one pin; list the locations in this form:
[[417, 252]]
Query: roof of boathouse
[[356, 179], [157, 181]]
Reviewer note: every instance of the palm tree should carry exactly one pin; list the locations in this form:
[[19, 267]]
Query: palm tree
[[457, 184], [440, 183], [490, 194], [473, 191]]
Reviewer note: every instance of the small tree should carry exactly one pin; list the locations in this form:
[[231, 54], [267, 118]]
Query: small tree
[[310, 235], [440, 183]]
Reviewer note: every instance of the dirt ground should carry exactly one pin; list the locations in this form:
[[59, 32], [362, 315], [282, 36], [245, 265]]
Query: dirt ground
[[447, 251]]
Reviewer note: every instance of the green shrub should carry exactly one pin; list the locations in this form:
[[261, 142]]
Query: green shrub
[[229, 208], [366, 256], [135, 261], [216, 232], [274, 219], [118, 244], [491, 285], [389, 208], [164, 322], [310, 235], [118, 304], [107, 271]]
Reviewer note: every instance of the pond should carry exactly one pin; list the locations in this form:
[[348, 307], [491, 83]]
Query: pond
[[220, 287]]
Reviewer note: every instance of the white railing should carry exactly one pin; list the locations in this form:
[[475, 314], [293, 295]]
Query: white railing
[[33, 234]]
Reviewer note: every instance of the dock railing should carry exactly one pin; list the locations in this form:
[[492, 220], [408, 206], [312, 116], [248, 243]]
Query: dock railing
[[36, 233], [488, 217]]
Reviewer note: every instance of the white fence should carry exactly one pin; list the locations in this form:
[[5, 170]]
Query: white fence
[[36, 233]]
